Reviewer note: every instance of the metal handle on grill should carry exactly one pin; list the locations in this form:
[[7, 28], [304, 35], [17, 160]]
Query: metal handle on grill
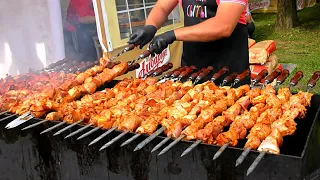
[[219, 73], [272, 76], [313, 80], [229, 78], [260, 76], [294, 81], [285, 73]]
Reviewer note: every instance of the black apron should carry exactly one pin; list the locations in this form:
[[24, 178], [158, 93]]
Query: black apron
[[231, 52]]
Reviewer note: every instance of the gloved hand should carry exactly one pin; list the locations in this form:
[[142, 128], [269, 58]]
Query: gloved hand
[[143, 36], [162, 41]]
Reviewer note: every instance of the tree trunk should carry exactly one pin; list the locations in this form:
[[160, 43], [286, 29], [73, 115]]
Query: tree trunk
[[287, 16]]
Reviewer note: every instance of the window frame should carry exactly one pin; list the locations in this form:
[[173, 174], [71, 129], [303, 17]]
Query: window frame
[[112, 24]]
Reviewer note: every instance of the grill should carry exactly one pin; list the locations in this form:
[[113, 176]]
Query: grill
[[49, 157], [46, 157]]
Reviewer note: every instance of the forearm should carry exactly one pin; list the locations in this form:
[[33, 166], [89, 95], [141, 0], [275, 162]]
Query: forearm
[[203, 33], [87, 20], [160, 12]]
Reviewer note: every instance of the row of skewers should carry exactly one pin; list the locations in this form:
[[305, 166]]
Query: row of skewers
[[174, 105]]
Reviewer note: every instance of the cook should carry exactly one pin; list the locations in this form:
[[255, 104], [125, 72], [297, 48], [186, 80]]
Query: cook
[[214, 33]]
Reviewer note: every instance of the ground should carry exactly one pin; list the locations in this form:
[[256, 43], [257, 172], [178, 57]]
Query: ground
[[300, 46]]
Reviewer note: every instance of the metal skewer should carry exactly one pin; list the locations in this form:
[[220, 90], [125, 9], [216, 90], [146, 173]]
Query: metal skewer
[[220, 151], [158, 146], [166, 149], [34, 125], [102, 136], [3, 112], [149, 139], [53, 127], [18, 122], [190, 148], [67, 127], [256, 162], [89, 132], [5, 118], [145, 54], [114, 140], [128, 48], [130, 140], [78, 131], [18, 119]]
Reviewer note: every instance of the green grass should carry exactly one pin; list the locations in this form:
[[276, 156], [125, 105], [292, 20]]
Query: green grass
[[300, 45]]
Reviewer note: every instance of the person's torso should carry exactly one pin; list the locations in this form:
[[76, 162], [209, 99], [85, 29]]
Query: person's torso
[[223, 52]]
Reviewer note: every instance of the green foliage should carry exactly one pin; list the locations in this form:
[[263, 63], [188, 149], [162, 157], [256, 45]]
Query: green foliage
[[300, 45]]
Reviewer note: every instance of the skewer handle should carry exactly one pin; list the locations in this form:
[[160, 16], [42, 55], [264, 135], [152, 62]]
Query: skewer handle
[[244, 74], [273, 75], [219, 73], [178, 72], [294, 81], [185, 73], [194, 75], [260, 76], [111, 64], [230, 78], [283, 76], [133, 67], [160, 70], [313, 80], [129, 47]]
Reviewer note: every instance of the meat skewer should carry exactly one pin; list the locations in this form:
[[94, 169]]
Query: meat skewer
[[228, 80], [218, 74], [99, 127], [254, 93], [199, 74], [88, 133], [182, 75], [294, 108], [152, 136], [118, 71], [178, 138], [269, 78], [145, 54], [244, 154], [174, 96]]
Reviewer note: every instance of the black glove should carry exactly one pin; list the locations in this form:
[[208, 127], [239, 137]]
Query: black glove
[[143, 36], [162, 41]]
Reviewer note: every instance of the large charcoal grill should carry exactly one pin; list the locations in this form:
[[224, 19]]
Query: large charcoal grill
[[27, 155]]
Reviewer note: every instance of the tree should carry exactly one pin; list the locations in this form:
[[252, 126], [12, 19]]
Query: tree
[[287, 16]]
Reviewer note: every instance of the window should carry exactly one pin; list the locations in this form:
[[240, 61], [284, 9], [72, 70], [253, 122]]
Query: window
[[132, 14]]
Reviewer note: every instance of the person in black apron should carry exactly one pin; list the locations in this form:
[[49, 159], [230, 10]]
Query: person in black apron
[[215, 33]]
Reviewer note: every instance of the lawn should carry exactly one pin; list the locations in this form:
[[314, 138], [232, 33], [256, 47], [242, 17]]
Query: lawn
[[300, 45]]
